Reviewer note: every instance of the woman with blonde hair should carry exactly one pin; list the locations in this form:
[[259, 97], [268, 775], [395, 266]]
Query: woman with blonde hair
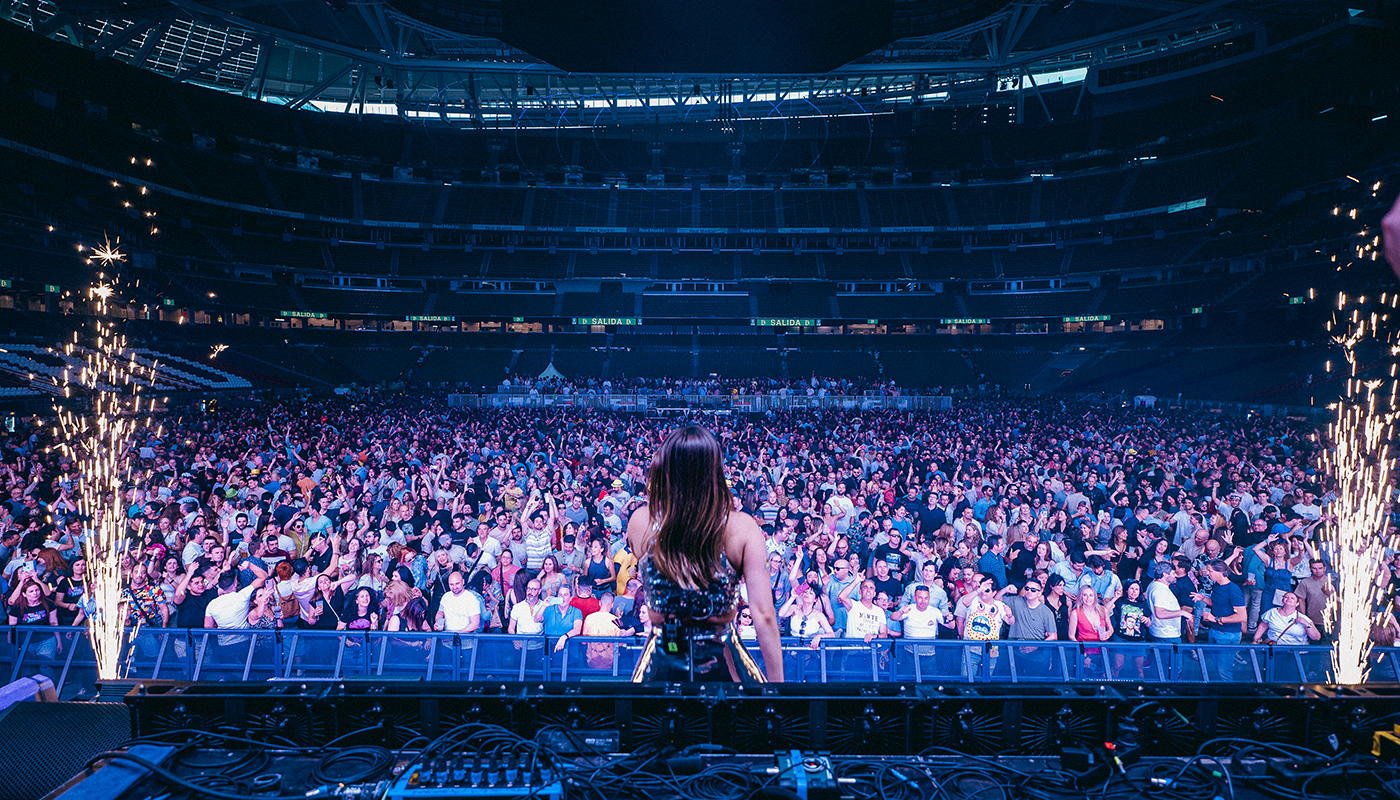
[[1090, 623], [396, 597], [693, 547]]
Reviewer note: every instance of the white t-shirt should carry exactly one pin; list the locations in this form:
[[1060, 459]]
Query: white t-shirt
[[961, 525], [490, 552], [230, 610], [1159, 595], [458, 609], [1286, 630], [524, 618], [612, 522], [288, 544], [1308, 512], [805, 627], [922, 624], [191, 553], [840, 503], [982, 621], [862, 621], [937, 598], [304, 589]]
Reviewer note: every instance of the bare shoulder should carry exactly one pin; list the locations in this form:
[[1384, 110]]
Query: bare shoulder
[[639, 531], [741, 537]]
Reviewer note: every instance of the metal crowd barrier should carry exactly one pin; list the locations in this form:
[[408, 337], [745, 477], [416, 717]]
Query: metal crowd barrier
[[66, 657], [711, 402]]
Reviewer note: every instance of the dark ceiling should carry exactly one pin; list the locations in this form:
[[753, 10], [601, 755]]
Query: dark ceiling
[[678, 36], [555, 62]]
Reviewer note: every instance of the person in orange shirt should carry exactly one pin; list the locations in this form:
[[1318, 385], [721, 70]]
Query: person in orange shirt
[[603, 623], [626, 568]]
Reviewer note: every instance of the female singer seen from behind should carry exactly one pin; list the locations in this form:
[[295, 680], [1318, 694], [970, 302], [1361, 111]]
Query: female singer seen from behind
[[693, 548]]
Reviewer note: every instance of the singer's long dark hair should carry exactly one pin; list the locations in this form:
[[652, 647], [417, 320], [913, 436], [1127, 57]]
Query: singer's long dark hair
[[689, 503]]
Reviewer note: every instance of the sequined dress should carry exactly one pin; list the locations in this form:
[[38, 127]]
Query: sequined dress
[[688, 645]]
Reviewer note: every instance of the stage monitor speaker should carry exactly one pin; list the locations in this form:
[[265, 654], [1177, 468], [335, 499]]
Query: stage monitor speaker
[[843, 719], [45, 744]]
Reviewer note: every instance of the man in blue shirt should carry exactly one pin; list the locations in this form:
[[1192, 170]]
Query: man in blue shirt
[[1105, 581], [991, 563], [560, 619], [983, 502]]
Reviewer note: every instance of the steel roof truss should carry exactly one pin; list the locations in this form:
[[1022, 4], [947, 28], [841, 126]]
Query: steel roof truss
[[315, 91], [202, 66]]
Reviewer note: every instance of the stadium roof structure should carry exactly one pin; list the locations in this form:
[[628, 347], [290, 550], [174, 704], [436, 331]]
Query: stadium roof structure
[[450, 61]]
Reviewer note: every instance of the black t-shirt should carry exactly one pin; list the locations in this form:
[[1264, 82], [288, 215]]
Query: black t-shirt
[[328, 619], [471, 498], [1239, 527], [463, 536], [420, 523], [319, 562], [891, 586], [283, 513], [1130, 620], [1022, 562], [190, 613], [930, 520], [1061, 619], [71, 593], [357, 621], [1183, 587], [1127, 564], [436, 588], [893, 557], [36, 615]]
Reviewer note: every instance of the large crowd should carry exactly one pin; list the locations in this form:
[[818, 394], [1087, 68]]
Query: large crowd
[[1027, 520], [813, 386]]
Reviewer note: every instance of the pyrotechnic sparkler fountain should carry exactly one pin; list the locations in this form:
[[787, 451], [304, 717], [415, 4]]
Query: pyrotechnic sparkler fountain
[[1359, 463], [99, 440]]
